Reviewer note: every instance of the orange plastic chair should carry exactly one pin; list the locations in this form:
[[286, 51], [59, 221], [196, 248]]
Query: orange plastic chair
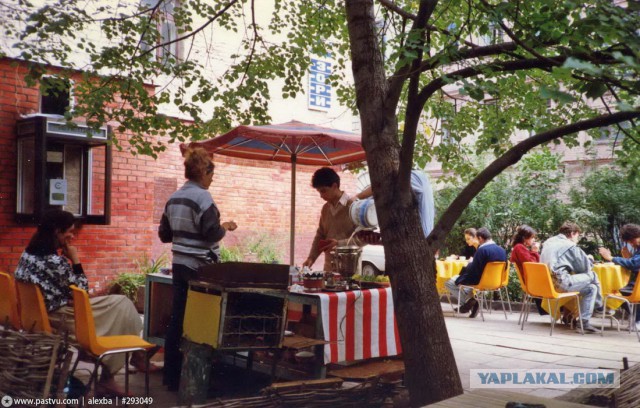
[[540, 286], [491, 281], [98, 347], [527, 296], [33, 312], [9, 302], [504, 285], [633, 300]]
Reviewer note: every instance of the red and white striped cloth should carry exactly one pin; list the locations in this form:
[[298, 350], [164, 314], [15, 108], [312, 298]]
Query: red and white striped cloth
[[358, 325]]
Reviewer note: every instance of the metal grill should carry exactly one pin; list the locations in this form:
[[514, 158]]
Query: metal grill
[[252, 330], [244, 315]]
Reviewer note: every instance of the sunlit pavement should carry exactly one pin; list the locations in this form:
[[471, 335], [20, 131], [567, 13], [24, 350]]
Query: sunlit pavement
[[494, 343]]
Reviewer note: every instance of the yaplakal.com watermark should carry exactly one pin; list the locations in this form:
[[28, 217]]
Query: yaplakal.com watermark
[[544, 378]]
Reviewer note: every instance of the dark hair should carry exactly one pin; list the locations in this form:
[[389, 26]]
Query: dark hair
[[629, 232], [483, 233], [325, 177], [44, 241], [197, 164], [567, 228], [523, 232], [471, 231]]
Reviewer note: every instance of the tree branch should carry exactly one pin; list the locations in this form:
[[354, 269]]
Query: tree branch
[[512, 35], [391, 6], [511, 157], [194, 32], [500, 66], [408, 140], [253, 43]]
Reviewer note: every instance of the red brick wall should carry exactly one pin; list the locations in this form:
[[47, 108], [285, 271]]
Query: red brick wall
[[254, 194]]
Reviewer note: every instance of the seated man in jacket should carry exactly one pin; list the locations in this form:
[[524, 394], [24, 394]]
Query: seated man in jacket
[[488, 251], [571, 271], [630, 235]]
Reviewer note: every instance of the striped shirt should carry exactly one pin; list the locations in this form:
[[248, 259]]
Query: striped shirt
[[191, 221]]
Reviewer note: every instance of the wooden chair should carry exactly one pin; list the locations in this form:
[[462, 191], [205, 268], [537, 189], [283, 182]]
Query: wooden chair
[[33, 312], [9, 302], [98, 347], [540, 286], [491, 281]]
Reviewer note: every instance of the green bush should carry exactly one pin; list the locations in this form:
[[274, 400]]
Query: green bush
[[265, 249], [129, 282], [514, 288], [527, 195], [230, 254], [603, 201]]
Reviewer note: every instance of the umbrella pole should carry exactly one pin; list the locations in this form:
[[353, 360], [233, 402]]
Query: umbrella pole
[[293, 211]]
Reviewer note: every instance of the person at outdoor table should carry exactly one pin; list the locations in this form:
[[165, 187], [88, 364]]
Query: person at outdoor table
[[335, 226], [526, 249], [488, 251], [52, 263], [630, 235], [472, 243], [191, 222], [571, 271]]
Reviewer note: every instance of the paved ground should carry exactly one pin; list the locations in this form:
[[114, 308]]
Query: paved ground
[[495, 343]]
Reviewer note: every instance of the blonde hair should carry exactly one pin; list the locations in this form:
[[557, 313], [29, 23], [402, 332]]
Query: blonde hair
[[197, 163]]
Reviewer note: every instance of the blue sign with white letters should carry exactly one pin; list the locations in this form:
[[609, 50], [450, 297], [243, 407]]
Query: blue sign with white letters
[[319, 86]]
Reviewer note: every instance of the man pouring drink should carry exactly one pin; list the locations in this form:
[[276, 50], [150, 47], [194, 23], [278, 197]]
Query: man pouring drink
[[335, 227]]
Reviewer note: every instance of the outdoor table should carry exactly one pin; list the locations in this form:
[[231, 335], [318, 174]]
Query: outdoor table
[[612, 277], [453, 267], [358, 324], [446, 269]]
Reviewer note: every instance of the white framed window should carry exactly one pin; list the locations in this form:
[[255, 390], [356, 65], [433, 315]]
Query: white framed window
[[168, 48]]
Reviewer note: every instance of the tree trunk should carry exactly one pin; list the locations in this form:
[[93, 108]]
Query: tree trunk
[[431, 373]]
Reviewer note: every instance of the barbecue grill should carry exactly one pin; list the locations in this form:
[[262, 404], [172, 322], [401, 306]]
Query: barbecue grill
[[237, 306]]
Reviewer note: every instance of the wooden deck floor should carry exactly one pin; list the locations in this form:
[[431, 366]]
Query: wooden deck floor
[[494, 399]]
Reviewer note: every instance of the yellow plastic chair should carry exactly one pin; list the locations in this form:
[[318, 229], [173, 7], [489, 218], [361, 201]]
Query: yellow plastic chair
[[527, 297], [491, 281], [98, 347], [539, 285], [9, 302], [633, 300], [504, 285], [33, 312]]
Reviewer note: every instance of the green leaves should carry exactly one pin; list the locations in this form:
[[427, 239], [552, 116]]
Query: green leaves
[[584, 66]]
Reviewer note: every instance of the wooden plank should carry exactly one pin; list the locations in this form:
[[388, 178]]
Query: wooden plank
[[299, 342], [371, 369], [307, 384]]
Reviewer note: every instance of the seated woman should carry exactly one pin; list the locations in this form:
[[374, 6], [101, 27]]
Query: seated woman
[[470, 237], [526, 249], [50, 262]]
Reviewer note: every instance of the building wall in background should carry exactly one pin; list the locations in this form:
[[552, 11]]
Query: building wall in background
[[254, 194]]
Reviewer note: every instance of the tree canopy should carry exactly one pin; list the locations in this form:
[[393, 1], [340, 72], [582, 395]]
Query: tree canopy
[[433, 80]]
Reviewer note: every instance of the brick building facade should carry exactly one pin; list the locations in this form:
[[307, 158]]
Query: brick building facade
[[254, 194]]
